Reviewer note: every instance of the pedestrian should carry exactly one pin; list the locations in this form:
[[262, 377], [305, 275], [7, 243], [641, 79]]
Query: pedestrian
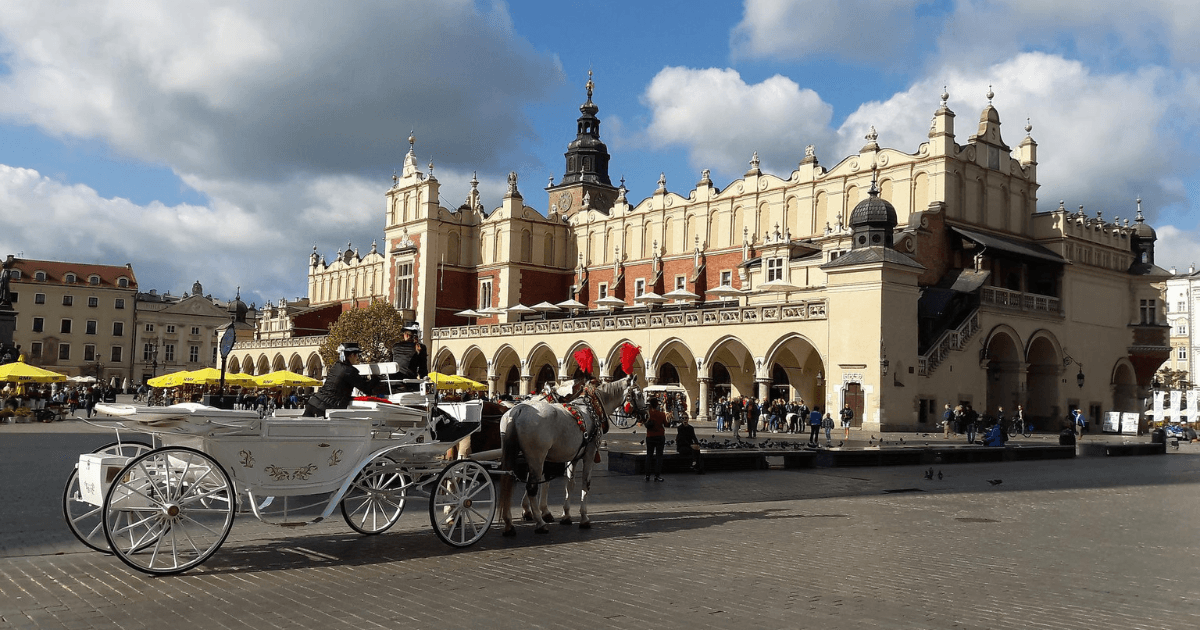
[[656, 438], [827, 424], [688, 446], [814, 426], [737, 411]]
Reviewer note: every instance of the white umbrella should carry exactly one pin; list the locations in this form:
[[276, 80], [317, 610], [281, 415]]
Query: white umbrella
[[650, 297], [610, 302], [681, 294], [725, 291], [778, 286]]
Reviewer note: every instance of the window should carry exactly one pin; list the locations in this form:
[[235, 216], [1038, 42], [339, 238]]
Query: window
[[89, 352], [195, 330], [149, 327], [94, 280], [39, 298], [120, 304], [404, 286], [1147, 308], [148, 352], [40, 276], [64, 326], [602, 291], [1181, 353], [64, 352], [68, 300], [118, 329], [35, 350], [485, 293], [93, 302], [169, 352], [123, 282], [170, 328], [90, 327], [115, 357], [38, 324], [193, 354], [774, 269], [639, 287], [727, 278], [69, 278]]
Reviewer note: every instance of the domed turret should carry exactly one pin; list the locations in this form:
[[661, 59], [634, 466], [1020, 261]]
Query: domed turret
[[873, 220]]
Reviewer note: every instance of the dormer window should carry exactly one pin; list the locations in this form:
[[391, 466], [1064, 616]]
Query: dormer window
[[69, 278]]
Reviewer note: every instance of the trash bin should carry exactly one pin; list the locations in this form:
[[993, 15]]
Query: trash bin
[[1158, 436], [1066, 438]]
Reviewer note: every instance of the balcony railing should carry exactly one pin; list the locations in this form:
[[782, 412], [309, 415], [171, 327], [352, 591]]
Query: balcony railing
[[696, 316], [1018, 301]]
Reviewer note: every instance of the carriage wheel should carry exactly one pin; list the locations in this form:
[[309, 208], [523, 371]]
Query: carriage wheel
[[83, 518], [375, 500], [169, 510], [463, 503]]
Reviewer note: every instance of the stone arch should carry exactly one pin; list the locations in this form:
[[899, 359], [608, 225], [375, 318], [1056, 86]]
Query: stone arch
[[799, 358], [1123, 382], [1004, 360], [731, 353], [542, 365], [1043, 355]]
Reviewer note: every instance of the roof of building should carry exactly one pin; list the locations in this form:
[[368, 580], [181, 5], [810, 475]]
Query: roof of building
[[56, 272]]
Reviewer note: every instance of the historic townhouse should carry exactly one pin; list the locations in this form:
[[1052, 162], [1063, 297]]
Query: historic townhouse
[[895, 282]]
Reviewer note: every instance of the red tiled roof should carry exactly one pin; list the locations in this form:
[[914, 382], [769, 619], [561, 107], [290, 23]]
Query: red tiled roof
[[56, 271]]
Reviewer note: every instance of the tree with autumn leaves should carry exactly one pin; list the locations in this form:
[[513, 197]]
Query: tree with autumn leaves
[[375, 329]]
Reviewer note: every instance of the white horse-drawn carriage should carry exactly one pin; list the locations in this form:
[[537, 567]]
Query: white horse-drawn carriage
[[167, 506]]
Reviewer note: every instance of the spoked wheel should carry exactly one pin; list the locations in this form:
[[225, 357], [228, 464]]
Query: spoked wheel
[[83, 518], [169, 510], [463, 503], [375, 500]]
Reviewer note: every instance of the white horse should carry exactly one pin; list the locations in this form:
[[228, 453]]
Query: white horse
[[567, 434]]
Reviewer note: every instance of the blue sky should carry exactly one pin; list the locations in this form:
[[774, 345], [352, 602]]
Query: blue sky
[[221, 141]]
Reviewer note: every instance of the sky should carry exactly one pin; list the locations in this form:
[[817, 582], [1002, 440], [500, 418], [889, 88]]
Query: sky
[[221, 141]]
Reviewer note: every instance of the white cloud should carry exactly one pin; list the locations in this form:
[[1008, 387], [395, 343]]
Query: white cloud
[[1103, 139], [860, 30], [722, 120]]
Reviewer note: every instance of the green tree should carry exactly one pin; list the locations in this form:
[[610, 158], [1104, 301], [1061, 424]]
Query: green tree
[[374, 328]]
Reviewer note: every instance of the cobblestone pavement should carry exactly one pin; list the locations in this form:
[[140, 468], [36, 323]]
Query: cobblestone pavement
[[1090, 543]]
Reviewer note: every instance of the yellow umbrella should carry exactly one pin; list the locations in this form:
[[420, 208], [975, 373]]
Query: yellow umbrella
[[284, 378], [212, 376], [21, 372], [454, 381], [174, 379]]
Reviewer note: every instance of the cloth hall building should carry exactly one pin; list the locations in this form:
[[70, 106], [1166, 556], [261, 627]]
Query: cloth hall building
[[894, 282]]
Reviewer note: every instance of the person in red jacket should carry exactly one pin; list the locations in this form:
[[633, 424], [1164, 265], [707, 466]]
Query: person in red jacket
[[656, 439]]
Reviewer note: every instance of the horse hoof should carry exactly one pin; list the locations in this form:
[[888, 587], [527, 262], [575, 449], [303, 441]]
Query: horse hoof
[[509, 533], [587, 525], [566, 520], [542, 530]]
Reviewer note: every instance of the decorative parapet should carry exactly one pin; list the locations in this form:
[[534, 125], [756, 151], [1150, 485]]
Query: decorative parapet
[[714, 316], [955, 339], [1026, 302]]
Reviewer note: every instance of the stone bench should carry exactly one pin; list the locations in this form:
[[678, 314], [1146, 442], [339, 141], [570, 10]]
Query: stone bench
[[634, 463]]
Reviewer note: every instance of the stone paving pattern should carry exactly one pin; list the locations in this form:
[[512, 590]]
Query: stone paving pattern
[[1090, 543]]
